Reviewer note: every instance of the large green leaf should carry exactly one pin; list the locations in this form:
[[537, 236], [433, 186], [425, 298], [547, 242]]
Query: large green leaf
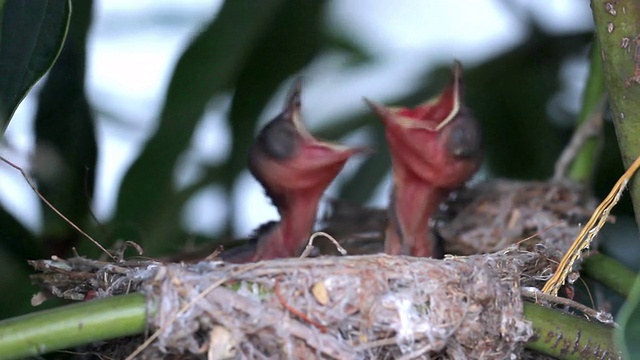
[[66, 152], [286, 44], [209, 66], [510, 94], [31, 36], [356, 54]]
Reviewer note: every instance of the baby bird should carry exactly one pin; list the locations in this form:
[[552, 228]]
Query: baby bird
[[294, 168], [435, 148]]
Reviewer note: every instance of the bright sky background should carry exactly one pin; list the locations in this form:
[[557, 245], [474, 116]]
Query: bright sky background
[[135, 44]]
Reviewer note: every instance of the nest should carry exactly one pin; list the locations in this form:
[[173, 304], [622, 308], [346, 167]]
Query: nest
[[353, 307], [495, 214]]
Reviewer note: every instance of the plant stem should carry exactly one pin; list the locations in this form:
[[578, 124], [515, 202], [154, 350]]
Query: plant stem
[[584, 164], [609, 272], [72, 325], [568, 337], [617, 29]]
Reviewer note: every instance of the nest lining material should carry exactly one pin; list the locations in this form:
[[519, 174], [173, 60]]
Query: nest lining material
[[484, 218], [354, 307]]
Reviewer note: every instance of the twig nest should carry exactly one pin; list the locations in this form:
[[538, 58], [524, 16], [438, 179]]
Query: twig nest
[[493, 215], [354, 307], [370, 306]]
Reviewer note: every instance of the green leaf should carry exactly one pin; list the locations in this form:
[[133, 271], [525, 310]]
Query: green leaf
[[278, 52], [16, 240], [210, 66], [628, 333], [31, 36], [343, 42], [510, 95], [66, 152]]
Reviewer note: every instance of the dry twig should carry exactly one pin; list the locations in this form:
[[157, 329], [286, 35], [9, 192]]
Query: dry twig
[[589, 231], [35, 190], [309, 247]]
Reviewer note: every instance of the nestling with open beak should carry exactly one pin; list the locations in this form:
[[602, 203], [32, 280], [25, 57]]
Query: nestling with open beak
[[294, 168], [435, 148]]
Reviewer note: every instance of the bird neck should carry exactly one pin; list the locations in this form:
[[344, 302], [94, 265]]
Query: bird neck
[[413, 203], [288, 237]]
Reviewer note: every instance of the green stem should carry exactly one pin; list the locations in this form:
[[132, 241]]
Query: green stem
[[568, 337], [72, 325], [617, 25], [609, 272], [584, 164]]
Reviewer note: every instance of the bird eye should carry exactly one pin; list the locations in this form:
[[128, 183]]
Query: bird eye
[[464, 138], [278, 139]]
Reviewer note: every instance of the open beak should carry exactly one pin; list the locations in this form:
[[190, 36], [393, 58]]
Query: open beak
[[433, 115], [294, 168], [435, 148]]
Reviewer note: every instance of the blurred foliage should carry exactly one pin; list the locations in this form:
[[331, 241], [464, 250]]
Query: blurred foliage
[[249, 50], [31, 37], [66, 152], [629, 320], [275, 40]]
